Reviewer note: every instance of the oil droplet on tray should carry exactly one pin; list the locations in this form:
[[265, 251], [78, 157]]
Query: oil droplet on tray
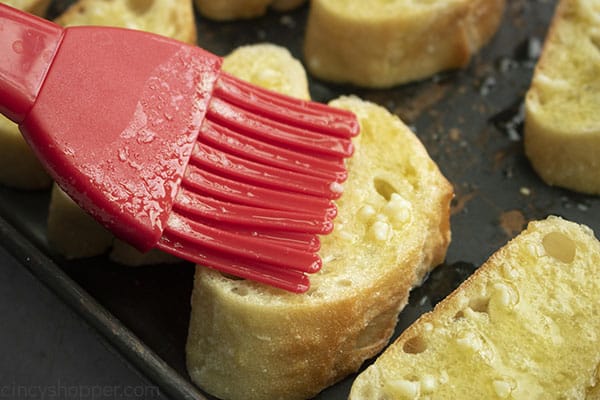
[[512, 222]]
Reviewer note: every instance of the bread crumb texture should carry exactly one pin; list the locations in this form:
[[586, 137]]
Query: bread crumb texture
[[562, 125], [250, 341], [526, 325], [382, 43]]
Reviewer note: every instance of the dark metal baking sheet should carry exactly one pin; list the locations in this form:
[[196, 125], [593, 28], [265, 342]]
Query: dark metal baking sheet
[[470, 121]]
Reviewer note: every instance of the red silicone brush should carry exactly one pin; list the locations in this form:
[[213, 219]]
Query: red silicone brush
[[149, 136]]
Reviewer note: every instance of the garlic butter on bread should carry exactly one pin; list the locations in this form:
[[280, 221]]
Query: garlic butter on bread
[[525, 325], [248, 341], [562, 121], [375, 43]]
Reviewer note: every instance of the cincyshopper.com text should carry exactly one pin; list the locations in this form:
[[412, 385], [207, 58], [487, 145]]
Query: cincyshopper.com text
[[62, 391]]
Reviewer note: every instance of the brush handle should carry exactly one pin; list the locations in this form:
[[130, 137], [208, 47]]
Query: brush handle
[[27, 47]]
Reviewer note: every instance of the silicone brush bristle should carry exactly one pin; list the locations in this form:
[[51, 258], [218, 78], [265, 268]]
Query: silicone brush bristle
[[162, 147], [271, 165]]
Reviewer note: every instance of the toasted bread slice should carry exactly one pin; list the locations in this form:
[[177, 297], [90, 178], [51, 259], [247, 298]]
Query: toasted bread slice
[[562, 125], [37, 7], [226, 10], [385, 43], [526, 325], [247, 341], [74, 234]]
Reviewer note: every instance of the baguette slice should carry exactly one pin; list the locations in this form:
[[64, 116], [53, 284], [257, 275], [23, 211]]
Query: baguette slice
[[227, 10], [562, 124], [379, 44], [74, 234], [247, 341], [526, 325]]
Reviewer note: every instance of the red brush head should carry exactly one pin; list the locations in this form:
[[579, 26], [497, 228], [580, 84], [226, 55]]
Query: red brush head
[[116, 120], [148, 136]]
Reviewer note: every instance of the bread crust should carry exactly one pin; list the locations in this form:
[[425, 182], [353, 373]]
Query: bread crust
[[562, 129], [261, 351], [381, 46]]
